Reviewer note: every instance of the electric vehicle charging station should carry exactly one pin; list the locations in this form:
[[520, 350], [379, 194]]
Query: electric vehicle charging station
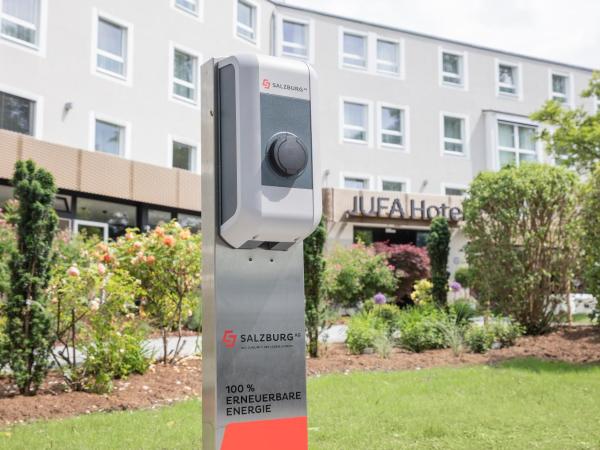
[[261, 196]]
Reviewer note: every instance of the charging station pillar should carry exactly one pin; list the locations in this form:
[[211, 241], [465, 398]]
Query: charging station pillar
[[260, 198]]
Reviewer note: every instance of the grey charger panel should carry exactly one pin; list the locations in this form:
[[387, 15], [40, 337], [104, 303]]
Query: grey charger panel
[[227, 161], [285, 114]]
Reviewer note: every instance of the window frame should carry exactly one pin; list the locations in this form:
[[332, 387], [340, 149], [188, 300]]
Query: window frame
[[516, 140], [39, 48], [126, 79], [195, 103], [369, 126], [198, 14], [356, 175], [38, 112], [196, 160], [568, 96], [464, 68], [393, 179], [465, 138], [126, 125], [256, 41], [309, 23], [342, 54], [518, 95], [405, 133], [400, 49]]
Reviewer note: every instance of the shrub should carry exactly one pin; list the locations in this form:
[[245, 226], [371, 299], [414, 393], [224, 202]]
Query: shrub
[[438, 247], [28, 340], [591, 236], [463, 276], [506, 332], [419, 330], [410, 264], [522, 227], [479, 339], [167, 262], [314, 269], [363, 330], [389, 314], [421, 294], [8, 241], [462, 311], [355, 274]]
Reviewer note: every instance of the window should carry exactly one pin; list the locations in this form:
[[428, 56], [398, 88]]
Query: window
[[190, 6], [295, 39], [560, 88], [184, 156], [356, 121], [508, 79], [392, 126], [516, 143], [356, 183], [111, 51], [185, 75], [394, 186], [17, 114], [388, 56], [246, 21], [158, 217], [194, 223], [20, 21], [454, 134], [355, 50], [109, 138], [118, 216], [455, 191], [452, 69]]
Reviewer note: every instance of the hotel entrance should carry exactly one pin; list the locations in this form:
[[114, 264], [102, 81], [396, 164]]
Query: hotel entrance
[[370, 235]]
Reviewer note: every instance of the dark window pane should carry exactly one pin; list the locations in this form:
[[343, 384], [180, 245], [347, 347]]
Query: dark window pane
[[16, 113], [183, 156]]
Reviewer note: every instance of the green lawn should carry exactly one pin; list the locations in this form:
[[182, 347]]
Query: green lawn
[[523, 404]]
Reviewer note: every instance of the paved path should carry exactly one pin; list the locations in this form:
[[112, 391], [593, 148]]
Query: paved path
[[193, 344]]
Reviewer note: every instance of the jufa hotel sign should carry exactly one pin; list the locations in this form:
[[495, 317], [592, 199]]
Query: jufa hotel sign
[[378, 206]]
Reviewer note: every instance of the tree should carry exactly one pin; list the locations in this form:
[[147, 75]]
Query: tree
[[410, 264], [523, 228], [574, 137], [438, 247], [314, 268], [28, 325]]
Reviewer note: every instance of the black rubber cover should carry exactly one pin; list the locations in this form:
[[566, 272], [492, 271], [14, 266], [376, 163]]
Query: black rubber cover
[[287, 154]]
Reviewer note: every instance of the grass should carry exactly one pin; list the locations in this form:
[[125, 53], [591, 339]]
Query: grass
[[524, 404], [582, 318]]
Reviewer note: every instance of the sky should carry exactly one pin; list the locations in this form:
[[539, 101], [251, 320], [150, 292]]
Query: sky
[[560, 30]]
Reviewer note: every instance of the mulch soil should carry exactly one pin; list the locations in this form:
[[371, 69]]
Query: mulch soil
[[163, 385]]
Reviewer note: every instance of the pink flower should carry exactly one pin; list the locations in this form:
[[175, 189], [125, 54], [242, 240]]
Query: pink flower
[[129, 236], [73, 271], [150, 259], [185, 234], [169, 241], [137, 245], [101, 269]]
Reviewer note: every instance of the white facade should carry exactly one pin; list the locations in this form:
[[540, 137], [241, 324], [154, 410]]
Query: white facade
[[449, 97]]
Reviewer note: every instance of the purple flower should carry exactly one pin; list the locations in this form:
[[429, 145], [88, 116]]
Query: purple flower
[[455, 286], [379, 298]]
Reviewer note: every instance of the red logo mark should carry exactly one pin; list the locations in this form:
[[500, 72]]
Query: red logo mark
[[266, 84], [229, 338]]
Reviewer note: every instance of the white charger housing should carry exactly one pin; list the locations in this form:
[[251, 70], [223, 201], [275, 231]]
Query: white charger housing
[[269, 192]]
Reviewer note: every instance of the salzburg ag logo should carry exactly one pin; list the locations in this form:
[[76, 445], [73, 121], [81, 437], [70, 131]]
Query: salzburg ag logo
[[266, 83], [229, 338]]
